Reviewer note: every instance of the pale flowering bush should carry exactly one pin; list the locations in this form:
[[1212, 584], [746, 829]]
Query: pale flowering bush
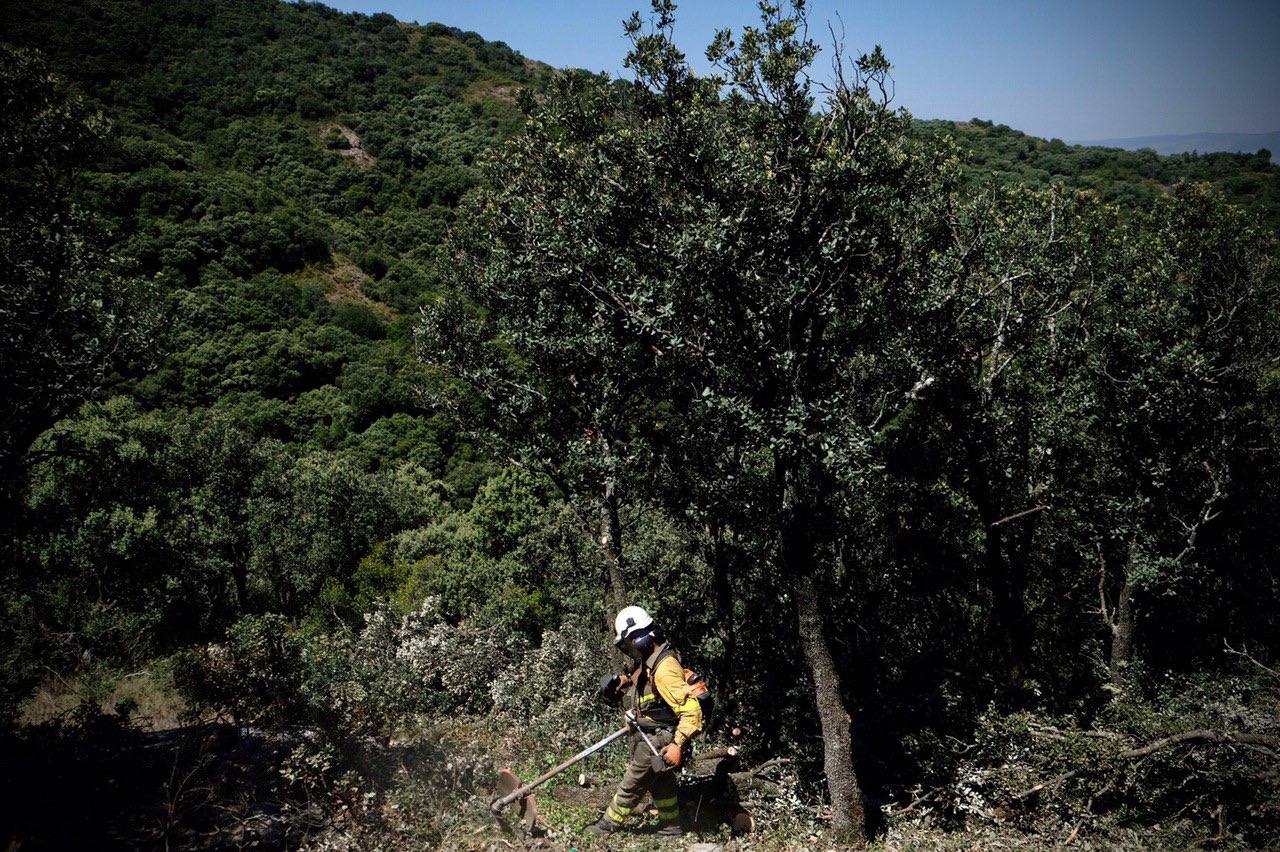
[[551, 689], [254, 677], [453, 665], [360, 708], [423, 663], [363, 684], [356, 685], [972, 794]]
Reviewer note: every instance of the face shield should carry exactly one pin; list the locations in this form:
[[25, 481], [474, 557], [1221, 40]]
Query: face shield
[[637, 643]]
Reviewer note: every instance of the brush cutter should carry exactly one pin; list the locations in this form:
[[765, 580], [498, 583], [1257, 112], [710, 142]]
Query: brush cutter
[[509, 788]]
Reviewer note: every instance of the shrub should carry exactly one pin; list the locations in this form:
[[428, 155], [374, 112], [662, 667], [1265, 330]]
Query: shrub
[[255, 676], [1137, 766]]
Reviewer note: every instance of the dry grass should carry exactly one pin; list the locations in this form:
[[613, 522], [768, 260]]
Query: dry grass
[[344, 282], [491, 90], [152, 702]]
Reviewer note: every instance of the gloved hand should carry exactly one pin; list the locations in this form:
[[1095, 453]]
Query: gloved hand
[[611, 687], [672, 755]]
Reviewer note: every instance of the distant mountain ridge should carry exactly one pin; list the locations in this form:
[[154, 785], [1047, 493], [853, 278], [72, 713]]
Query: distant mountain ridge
[[1204, 143]]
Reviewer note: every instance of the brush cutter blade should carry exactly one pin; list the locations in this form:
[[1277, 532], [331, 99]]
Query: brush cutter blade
[[743, 823], [526, 807]]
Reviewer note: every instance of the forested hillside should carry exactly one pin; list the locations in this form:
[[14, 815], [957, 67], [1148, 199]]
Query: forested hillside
[[281, 176], [966, 436], [1126, 178]]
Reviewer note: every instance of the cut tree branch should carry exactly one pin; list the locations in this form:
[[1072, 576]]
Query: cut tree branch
[[1017, 515], [1200, 736], [1205, 736]]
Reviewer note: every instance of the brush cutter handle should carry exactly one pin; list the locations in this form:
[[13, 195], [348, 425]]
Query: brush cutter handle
[[633, 722], [521, 792], [659, 762]]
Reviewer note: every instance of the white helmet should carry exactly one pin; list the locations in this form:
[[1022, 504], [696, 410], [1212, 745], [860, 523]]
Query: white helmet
[[628, 621]]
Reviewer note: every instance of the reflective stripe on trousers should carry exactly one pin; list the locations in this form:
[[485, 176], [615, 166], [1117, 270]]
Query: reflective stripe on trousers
[[641, 778]]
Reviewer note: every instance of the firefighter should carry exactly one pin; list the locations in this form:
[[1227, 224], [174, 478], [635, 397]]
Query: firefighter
[[664, 708]]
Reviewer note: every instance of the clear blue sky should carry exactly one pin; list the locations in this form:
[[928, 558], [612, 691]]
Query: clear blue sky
[[1078, 70]]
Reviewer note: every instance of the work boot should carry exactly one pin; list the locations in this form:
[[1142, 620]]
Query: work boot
[[603, 826], [669, 829]]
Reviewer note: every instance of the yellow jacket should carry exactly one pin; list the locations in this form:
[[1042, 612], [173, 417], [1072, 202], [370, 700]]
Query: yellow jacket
[[670, 686]]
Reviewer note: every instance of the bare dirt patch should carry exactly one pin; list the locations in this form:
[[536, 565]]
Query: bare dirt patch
[[344, 282], [490, 90], [352, 145]]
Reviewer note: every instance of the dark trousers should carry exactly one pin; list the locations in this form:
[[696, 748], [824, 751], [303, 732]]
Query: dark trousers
[[641, 777]]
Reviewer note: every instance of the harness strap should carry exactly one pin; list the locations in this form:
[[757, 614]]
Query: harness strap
[[655, 712]]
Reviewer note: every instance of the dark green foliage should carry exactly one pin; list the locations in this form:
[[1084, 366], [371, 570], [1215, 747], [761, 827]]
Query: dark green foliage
[[1002, 411], [1045, 772], [68, 318], [1127, 178], [70, 321], [932, 406], [280, 176]]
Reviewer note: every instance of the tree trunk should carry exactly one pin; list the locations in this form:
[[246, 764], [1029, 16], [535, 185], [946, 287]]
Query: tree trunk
[[800, 558], [1009, 587], [1122, 627], [1008, 582], [240, 577], [720, 556], [611, 531], [848, 818], [611, 546]]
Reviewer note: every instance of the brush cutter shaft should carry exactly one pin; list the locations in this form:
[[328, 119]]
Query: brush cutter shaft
[[631, 720], [515, 795]]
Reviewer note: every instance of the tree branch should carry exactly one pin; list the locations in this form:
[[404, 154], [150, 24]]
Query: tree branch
[[1017, 515], [1204, 735], [1251, 659], [1200, 736]]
